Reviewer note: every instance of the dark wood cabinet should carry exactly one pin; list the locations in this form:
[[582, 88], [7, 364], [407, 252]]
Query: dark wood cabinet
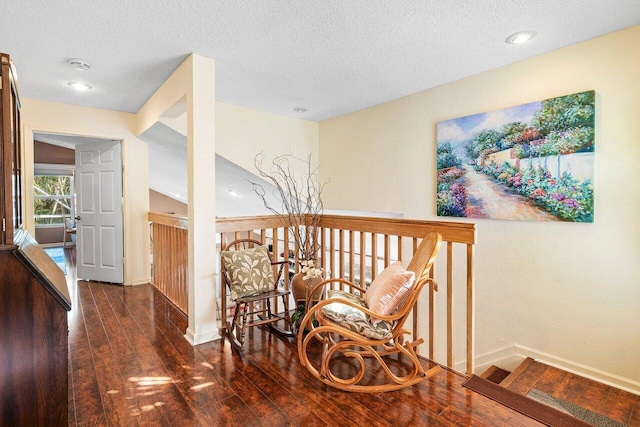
[[33, 336], [10, 152], [34, 298]]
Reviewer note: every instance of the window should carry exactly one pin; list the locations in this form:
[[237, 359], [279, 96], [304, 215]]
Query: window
[[53, 196]]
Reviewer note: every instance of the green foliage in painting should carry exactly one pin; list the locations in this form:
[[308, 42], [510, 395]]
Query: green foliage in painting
[[446, 157], [482, 142], [565, 112], [511, 132]]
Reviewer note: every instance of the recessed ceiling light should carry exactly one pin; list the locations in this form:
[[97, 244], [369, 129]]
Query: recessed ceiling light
[[233, 193], [81, 87], [300, 110], [520, 37], [79, 64]]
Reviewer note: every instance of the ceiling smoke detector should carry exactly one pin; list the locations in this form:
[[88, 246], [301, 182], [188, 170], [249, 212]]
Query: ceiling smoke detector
[[300, 110], [79, 64]]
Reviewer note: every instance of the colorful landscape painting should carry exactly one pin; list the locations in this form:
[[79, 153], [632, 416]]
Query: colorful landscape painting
[[529, 162]]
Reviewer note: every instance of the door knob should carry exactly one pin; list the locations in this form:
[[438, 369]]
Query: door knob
[[77, 218]]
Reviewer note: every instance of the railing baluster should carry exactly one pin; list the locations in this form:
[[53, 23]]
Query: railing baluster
[[287, 257], [415, 307], [374, 256], [332, 252], [450, 304], [352, 255], [470, 311], [363, 260], [275, 257], [432, 316], [387, 251], [323, 249], [341, 254]]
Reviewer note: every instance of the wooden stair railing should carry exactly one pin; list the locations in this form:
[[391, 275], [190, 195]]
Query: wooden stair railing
[[357, 248], [169, 234]]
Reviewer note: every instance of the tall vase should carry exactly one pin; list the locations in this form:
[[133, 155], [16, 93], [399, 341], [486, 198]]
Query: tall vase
[[301, 287]]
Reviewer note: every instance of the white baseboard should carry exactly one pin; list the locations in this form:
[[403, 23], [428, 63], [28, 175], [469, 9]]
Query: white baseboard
[[203, 337], [505, 358], [511, 356]]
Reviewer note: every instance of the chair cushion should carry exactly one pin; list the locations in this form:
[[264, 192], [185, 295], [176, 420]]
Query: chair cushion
[[353, 319], [389, 289], [249, 271]]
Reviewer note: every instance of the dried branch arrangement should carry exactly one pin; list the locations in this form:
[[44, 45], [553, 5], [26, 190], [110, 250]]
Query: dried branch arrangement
[[300, 196]]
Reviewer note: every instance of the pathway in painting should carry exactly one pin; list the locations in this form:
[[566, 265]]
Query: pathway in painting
[[490, 199]]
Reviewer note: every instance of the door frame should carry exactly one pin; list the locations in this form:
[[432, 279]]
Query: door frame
[[27, 190]]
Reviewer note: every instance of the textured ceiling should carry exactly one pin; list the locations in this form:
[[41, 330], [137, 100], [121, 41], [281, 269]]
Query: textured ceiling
[[330, 56]]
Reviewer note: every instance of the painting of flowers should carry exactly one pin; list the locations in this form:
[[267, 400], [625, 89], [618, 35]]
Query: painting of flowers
[[529, 162]]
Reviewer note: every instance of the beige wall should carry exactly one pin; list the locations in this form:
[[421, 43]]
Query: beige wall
[[242, 133], [51, 117], [568, 291]]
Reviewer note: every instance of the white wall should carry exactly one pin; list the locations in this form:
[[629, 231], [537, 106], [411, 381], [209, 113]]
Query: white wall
[[52, 117], [563, 289]]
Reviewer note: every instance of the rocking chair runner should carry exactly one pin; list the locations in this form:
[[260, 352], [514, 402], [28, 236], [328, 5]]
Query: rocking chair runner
[[368, 346], [247, 271]]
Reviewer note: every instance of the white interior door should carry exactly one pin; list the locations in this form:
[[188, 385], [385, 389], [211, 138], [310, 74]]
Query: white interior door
[[100, 241]]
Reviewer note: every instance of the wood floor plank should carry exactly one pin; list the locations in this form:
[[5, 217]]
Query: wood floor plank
[[313, 394], [360, 408], [622, 406], [200, 387], [224, 361], [281, 395], [110, 383], [233, 411], [168, 399], [634, 419], [124, 354], [130, 365], [277, 419], [88, 405], [139, 404]]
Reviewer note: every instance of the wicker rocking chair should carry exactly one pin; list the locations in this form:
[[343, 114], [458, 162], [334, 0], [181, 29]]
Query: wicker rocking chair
[[341, 342], [247, 270]]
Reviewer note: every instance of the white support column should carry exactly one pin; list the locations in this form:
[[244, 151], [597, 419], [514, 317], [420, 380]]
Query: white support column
[[201, 187]]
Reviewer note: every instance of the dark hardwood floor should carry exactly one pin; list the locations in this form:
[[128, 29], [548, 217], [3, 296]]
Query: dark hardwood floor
[[130, 365], [618, 405]]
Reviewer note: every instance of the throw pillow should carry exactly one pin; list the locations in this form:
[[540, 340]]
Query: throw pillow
[[389, 289], [249, 271], [353, 319]]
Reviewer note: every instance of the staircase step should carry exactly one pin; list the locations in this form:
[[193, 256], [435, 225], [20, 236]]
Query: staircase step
[[495, 374], [517, 372], [586, 399]]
